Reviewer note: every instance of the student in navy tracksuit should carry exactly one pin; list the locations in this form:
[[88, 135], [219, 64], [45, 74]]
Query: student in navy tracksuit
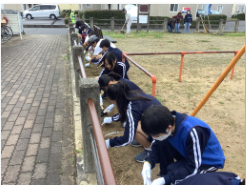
[[216, 178], [111, 64], [131, 106], [178, 136], [111, 78], [84, 32], [105, 45]]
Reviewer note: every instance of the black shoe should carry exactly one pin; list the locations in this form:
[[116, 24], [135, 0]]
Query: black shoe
[[103, 114], [142, 156]]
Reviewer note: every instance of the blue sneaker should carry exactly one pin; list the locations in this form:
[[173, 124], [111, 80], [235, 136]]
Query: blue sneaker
[[135, 144], [142, 156]]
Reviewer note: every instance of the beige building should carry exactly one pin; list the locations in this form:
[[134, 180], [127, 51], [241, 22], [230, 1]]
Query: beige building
[[238, 8]]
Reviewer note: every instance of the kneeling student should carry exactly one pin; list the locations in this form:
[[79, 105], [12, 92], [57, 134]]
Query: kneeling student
[[131, 106], [178, 136]]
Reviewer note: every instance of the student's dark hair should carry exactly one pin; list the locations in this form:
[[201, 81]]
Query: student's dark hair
[[121, 93], [97, 40], [156, 119], [83, 27], [91, 32], [82, 21], [110, 57], [105, 43], [106, 78]]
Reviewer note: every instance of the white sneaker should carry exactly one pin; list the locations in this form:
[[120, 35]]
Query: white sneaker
[[84, 51], [87, 58], [87, 65]]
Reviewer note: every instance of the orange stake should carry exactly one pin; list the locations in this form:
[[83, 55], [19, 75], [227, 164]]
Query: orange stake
[[181, 65], [219, 80]]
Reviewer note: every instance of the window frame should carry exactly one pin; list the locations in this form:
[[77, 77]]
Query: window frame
[[36, 7], [221, 8], [90, 5], [173, 8]]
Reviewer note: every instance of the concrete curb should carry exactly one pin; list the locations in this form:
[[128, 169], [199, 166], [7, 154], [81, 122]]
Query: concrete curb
[[45, 26], [82, 178]]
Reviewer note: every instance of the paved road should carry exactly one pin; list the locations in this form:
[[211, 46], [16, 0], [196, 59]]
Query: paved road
[[43, 21], [36, 126]]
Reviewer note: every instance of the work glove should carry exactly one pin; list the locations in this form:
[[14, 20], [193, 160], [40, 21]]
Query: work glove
[[84, 51], [107, 120], [109, 108], [87, 65], [159, 181], [107, 143], [87, 58], [146, 173]]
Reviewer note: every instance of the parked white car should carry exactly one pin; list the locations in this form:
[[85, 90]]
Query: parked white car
[[45, 11]]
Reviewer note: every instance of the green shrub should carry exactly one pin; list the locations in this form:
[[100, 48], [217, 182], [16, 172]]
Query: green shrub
[[160, 18], [80, 14], [241, 16], [67, 11], [66, 20], [63, 14], [215, 19], [105, 14]]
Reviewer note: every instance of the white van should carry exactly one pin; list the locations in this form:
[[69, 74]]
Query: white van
[[46, 11]]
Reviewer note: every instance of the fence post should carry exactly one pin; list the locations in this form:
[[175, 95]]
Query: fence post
[[73, 36], [77, 50], [139, 26], [91, 22], [220, 25], [165, 24], [112, 23], [236, 26], [89, 88], [197, 25]]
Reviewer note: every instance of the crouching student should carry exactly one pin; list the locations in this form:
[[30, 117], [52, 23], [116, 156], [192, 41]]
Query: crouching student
[[131, 106], [112, 78], [106, 47], [216, 178], [178, 136]]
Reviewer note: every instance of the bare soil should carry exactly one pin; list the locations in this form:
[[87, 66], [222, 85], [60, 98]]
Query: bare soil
[[224, 112]]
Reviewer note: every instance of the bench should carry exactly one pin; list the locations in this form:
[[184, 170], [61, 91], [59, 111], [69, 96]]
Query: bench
[[99, 34]]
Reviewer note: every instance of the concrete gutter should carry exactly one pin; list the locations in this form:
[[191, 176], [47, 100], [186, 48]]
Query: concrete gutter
[[82, 178]]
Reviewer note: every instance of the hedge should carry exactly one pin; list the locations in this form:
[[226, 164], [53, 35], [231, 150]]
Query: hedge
[[169, 18], [216, 18], [105, 14], [241, 16], [68, 11], [66, 20], [80, 14]]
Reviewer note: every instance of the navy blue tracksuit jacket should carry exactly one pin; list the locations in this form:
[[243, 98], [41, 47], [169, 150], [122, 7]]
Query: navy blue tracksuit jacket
[[133, 87], [216, 178], [134, 110], [190, 152]]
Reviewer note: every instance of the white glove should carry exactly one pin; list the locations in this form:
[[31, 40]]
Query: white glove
[[107, 120], [146, 173], [88, 58], [184, 24], [109, 108], [87, 65], [159, 181], [107, 143], [101, 100], [84, 51]]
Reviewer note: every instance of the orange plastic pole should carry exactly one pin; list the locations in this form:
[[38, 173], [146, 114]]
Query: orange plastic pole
[[181, 65], [232, 71], [219, 80], [123, 57], [153, 85]]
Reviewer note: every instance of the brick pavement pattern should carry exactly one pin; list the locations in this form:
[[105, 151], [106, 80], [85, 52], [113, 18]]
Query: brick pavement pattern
[[37, 136]]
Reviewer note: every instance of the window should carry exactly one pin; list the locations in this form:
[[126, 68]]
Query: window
[[88, 5], [36, 8], [203, 7], [219, 8], [45, 7], [174, 7], [241, 9], [118, 6]]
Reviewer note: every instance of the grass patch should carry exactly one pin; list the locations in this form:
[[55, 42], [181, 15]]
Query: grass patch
[[214, 48], [158, 98], [64, 57], [203, 41], [133, 34], [78, 151], [235, 34], [170, 41], [221, 102]]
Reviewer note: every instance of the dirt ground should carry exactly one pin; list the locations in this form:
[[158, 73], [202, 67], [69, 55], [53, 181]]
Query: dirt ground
[[224, 112]]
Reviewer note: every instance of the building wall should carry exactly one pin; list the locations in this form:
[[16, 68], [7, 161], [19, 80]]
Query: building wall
[[13, 7], [236, 8], [164, 9], [93, 7], [69, 6], [227, 8]]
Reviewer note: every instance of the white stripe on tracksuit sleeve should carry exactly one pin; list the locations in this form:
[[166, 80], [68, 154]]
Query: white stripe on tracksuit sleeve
[[123, 68]]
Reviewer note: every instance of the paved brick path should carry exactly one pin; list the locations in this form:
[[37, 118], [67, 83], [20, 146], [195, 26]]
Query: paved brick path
[[36, 128]]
